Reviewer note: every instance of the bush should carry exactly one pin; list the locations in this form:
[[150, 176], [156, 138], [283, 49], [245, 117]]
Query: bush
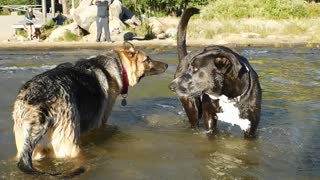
[[144, 31], [273, 9], [18, 2], [69, 36], [50, 24], [160, 7]]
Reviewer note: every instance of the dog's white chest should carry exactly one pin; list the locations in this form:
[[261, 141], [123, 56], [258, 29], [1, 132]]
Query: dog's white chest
[[230, 113]]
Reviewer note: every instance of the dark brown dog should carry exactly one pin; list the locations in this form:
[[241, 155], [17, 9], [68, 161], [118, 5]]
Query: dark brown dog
[[217, 83]]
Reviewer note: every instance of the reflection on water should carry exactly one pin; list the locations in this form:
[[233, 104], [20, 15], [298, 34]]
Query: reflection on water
[[150, 138]]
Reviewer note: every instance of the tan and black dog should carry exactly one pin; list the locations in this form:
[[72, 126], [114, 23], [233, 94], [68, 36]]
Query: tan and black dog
[[54, 108], [217, 83]]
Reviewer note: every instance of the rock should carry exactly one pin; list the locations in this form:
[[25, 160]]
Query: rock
[[250, 35], [161, 36], [156, 25], [85, 16], [115, 9], [85, 3], [123, 36], [115, 26], [133, 22], [171, 32], [60, 32]]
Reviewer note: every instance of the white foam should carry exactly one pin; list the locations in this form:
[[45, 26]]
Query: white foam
[[12, 68], [231, 113], [165, 106]]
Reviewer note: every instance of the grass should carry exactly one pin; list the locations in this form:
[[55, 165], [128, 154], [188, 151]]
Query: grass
[[144, 30], [201, 28], [69, 36], [271, 9]]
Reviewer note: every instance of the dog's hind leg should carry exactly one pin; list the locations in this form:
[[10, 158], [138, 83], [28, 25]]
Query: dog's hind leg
[[65, 139], [193, 110]]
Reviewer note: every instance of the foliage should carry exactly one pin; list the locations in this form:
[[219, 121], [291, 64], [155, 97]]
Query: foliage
[[160, 7], [50, 24], [69, 36], [18, 2], [144, 30], [272, 9]]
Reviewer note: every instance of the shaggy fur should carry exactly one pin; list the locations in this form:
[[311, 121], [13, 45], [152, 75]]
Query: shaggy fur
[[54, 108]]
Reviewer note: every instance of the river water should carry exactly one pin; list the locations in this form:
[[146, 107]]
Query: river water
[[150, 137]]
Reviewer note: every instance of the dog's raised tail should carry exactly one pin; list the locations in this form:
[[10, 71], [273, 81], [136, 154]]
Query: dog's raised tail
[[182, 31]]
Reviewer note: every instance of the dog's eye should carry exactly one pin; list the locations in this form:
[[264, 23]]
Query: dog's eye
[[148, 60], [195, 69]]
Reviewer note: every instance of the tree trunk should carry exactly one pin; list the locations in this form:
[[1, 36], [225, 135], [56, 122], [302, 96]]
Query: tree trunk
[[65, 9]]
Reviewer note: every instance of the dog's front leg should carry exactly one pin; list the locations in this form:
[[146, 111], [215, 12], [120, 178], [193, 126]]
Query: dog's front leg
[[191, 107], [210, 108]]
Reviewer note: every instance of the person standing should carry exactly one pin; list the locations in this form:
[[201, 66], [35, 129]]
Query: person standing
[[103, 19], [29, 23]]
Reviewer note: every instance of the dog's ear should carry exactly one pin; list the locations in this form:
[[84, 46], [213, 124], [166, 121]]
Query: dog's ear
[[222, 63], [129, 47]]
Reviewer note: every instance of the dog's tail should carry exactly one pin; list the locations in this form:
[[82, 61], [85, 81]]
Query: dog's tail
[[34, 134], [182, 31]]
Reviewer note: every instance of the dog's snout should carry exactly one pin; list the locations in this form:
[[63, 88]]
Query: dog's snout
[[173, 86], [166, 66]]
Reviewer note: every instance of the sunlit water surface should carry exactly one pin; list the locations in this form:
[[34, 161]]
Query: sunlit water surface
[[150, 137]]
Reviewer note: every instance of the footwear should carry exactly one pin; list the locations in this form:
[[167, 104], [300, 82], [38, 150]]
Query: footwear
[[97, 40]]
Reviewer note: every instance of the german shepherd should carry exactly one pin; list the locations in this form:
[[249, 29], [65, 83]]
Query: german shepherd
[[54, 108]]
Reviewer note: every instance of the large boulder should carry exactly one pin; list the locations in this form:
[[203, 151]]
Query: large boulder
[[59, 33], [163, 27], [85, 15], [115, 26], [115, 9]]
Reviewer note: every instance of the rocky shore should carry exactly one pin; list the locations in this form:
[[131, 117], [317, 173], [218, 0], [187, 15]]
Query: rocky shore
[[242, 32]]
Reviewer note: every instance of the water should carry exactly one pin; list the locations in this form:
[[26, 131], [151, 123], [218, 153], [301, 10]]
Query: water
[[150, 138]]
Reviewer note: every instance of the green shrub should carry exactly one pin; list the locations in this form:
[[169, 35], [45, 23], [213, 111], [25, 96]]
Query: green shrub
[[18, 2], [274, 9], [69, 36], [50, 24], [160, 7], [144, 30]]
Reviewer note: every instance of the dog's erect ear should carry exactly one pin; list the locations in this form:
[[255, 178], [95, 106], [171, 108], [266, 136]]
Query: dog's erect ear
[[129, 47]]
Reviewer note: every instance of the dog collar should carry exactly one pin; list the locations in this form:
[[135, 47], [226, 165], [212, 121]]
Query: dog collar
[[125, 81]]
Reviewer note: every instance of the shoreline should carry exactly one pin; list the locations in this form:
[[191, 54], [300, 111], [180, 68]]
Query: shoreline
[[157, 43]]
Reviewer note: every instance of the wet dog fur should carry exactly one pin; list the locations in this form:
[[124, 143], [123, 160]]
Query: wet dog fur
[[216, 83], [53, 109]]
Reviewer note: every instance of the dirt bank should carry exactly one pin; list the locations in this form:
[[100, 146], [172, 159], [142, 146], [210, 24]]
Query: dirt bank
[[168, 42]]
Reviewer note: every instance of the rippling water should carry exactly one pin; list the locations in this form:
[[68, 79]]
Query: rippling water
[[150, 138]]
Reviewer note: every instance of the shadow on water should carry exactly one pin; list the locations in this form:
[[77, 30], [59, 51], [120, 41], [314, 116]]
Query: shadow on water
[[150, 137]]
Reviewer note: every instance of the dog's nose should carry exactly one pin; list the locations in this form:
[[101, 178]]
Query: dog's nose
[[173, 86], [166, 66]]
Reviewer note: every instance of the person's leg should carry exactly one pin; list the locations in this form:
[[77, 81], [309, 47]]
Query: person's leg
[[106, 29], [33, 30], [29, 32], [99, 28]]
